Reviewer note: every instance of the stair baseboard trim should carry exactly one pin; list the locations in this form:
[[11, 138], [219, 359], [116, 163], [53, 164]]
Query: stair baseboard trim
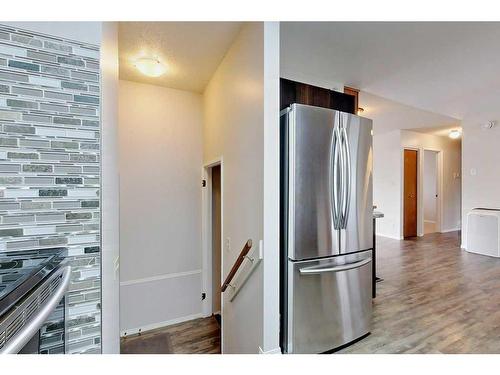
[[272, 351], [152, 326]]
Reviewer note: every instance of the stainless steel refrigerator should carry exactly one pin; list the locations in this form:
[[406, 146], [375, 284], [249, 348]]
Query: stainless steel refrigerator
[[326, 228]]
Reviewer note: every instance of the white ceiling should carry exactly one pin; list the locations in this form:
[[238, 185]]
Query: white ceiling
[[446, 68], [442, 131], [192, 51], [389, 115]]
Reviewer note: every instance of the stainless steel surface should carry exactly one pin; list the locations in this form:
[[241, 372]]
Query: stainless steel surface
[[346, 177], [327, 234], [25, 319], [312, 205], [337, 175], [328, 309], [357, 233], [378, 214], [332, 267], [334, 178], [329, 183]]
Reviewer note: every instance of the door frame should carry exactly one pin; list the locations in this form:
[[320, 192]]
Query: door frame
[[402, 190], [439, 178], [207, 235], [420, 192]]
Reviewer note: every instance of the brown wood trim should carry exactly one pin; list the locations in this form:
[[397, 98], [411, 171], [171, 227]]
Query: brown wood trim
[[302, 93], [237, 264], [410, 193], [353, 92]]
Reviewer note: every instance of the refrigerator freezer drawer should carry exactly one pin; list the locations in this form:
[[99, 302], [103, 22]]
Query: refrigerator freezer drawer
[[329, 302]]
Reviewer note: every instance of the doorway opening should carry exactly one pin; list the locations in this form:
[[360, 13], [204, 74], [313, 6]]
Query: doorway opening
[[213, 203], [216, 198], [410, 195], [431, 195]]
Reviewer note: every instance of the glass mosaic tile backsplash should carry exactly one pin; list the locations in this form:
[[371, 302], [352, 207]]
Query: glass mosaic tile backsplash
[[50, 171]]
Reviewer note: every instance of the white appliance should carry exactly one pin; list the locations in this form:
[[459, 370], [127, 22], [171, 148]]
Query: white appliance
[[483, 229]]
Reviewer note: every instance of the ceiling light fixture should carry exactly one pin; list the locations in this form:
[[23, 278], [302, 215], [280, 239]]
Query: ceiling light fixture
[[454, 134], [150, 66]]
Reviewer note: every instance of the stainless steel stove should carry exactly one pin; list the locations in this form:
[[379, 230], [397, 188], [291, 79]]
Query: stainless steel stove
[[32, 283]]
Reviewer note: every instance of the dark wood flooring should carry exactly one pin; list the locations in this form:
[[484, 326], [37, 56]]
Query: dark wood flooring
[[435, 298], [199, 336]]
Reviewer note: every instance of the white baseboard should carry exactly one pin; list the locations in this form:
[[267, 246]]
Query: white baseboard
[[450, 230], [272, 351], [149, 327], [389, 236]]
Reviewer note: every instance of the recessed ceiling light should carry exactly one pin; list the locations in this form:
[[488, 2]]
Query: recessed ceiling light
[[454, 134], [150, 66]]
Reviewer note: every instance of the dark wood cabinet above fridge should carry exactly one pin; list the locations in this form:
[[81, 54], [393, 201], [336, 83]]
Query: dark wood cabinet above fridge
[[303, 93]]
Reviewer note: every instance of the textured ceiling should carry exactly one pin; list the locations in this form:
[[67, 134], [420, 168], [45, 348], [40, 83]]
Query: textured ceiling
[[442, 67], [192, 51]]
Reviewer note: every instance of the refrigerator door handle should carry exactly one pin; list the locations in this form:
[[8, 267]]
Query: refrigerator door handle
[[346, 180], [336, 183], [344, 267]]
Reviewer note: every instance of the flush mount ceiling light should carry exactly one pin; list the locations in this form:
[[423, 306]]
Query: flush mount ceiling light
[[454, 134], [150, 66]]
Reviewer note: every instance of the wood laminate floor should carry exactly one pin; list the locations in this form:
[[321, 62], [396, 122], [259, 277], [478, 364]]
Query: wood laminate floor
[[435, 298], [199, 336]]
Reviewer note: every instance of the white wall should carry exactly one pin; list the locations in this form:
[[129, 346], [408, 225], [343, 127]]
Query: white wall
[[481, 161], [110, 249], [430, 183], [160, 140], [387, 164], [271, 323], [233, 129]]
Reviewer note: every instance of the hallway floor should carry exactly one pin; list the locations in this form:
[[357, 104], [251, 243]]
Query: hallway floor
[[435, 298], [199, 336]]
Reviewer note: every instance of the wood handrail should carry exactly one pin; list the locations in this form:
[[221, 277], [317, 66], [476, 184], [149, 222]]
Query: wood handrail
[[237, 264]]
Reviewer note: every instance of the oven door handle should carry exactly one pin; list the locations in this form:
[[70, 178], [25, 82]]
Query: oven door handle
[[344, 267], [16, 343]]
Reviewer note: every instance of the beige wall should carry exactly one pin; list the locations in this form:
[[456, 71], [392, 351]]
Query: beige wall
[[233, 130], [160, 142]]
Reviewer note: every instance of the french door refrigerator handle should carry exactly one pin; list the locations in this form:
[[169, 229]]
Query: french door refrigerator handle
[[344, 267], [346, 193], [335, 166]]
